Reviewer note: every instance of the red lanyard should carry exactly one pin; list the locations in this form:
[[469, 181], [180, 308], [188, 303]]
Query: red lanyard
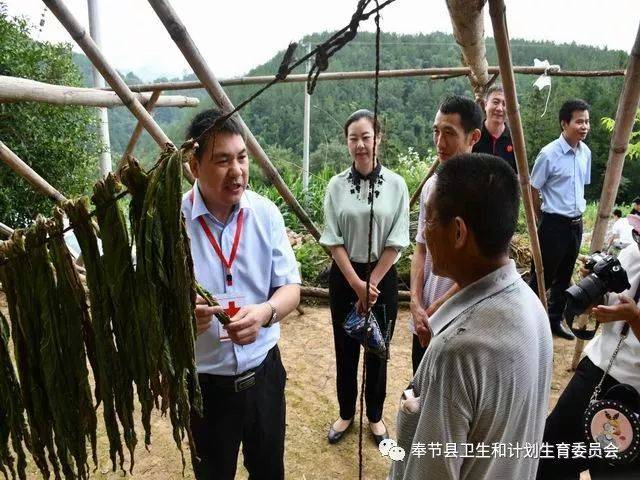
[[214, 243]]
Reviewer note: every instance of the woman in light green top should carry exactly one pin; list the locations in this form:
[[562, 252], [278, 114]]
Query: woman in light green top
[[346, 209]]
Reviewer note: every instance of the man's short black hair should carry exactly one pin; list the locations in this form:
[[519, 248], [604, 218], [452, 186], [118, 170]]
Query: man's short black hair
[[483, 190], [617, 212], [469, 111], [570, 106], [204, 120], [636, 200]]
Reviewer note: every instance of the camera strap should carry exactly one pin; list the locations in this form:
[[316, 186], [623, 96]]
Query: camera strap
[[623, 334], [613, 422]]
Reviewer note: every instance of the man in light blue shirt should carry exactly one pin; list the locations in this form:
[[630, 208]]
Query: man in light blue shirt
[[241, 254], [560, 172]]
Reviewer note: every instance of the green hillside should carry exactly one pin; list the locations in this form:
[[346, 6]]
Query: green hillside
[[406, 105]]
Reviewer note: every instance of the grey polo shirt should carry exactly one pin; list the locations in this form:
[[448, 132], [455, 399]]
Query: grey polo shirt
[[484, 380]]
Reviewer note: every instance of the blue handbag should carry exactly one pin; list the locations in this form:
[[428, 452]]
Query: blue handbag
[[366, 332]]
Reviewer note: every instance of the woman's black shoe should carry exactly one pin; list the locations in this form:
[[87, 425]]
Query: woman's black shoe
[[380, 438], [334, 436]]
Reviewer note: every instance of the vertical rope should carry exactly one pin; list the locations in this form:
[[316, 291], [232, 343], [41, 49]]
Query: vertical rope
[[372, 186]]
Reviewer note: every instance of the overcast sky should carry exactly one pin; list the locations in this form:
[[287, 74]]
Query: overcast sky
[[237, 35]]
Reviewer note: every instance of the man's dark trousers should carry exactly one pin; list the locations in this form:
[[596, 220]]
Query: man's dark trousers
[[254, 417], [560, 239]]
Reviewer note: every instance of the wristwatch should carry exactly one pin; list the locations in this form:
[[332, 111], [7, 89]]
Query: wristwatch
[[274, 316]]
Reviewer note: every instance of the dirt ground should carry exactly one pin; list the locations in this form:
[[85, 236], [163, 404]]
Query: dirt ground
[[307, 351]]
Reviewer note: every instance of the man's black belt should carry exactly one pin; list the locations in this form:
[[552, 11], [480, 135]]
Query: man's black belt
[[570, 220], [237, 383]]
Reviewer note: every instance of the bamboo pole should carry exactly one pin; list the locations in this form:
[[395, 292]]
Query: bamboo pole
[[25, 171], [625, 117], [135, 136], [435, 73], [5, 230], [15, 89], [497, 11], [416, 194], [91, 50], [468, 30], [317, 292], [183, 40]]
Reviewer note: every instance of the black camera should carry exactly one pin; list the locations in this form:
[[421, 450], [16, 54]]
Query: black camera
[[607, 275]]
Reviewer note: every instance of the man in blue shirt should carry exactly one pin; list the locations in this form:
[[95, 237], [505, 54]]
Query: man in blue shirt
[[561, 170], [241, 254]]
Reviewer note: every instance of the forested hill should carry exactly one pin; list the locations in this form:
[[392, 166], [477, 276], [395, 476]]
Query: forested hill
[[408, 105]]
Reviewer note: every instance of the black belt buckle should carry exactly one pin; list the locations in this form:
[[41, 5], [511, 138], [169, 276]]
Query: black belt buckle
[[576, 220], [247, 380]]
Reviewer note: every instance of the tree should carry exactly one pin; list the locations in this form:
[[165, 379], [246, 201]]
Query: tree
[[60, 143]]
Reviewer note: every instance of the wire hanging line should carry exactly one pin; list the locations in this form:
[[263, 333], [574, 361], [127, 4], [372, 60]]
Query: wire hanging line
[[372, 186]]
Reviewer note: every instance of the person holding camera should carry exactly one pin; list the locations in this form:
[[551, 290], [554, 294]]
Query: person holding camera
[[565, 424], [560, 172]]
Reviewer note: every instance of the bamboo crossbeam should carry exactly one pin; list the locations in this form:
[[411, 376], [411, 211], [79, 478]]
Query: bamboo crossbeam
[[416, 194], [317, 292], [16, 164], [625, 117], [497, 11], [135, 136], [439, 72], [5, 230], [468, 30], [14, 89], [91, 50], [183, 40]]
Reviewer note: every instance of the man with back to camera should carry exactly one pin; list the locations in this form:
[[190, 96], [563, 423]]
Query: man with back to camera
[[456, 128], [560, 172], [242, 255], [485, 378]]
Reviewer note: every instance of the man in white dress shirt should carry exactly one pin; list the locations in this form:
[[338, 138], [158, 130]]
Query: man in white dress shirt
[[241, 254]]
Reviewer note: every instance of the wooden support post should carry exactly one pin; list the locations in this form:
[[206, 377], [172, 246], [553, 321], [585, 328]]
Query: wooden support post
[[499, 22], [91, 50], [468, 30], [625, 118], [416, 194], [183, 40], [135, 136], [25, 171]]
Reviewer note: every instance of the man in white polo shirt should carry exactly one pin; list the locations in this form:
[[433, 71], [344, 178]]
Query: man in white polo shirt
[[456, 129], [241, 254]]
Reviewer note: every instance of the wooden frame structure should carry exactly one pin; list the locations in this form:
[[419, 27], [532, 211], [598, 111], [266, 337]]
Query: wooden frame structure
[[469, 33], [14, 89], [434, 73]]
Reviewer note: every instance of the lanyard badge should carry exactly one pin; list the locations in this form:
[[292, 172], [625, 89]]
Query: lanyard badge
[[216, 247]]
